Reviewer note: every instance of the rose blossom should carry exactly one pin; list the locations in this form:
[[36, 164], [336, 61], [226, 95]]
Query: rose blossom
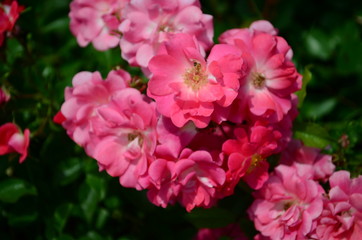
[[148, 23], [126, 132], [271, 77], [186, 87], [342, 214], [320, 165], [247, 155], [96, 21], [287, 206], [12, 140], [9, 13], [88, 93], [197, 177]]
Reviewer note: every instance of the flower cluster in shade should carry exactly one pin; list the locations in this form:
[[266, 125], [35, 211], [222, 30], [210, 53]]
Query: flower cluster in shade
[[9, 14], [212, 113]]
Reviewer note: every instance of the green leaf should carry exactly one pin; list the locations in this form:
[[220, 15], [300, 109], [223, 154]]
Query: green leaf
[[211, 218], [102, 218], [12, 189], [69, 170], [313, 135], [320, 44], [14, 50], [319, 109], [98, 184], [302, 93], [61, 215], [22, 219], [89, 199]]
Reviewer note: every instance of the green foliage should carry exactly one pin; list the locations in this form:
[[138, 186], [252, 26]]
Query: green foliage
[[58, 192], [12, 189]]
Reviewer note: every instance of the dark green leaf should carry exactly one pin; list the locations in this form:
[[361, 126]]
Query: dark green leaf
[[313, 135], [12, 189]]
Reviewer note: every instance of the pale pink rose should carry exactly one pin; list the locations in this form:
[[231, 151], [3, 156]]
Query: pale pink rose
[[247, 155], [12, 140], [197, 177], [320, 165], [342, 214], [287, 206], [9, 14], [148, 23], [232, 232], [88, 93], [186, 87], [125, 137], [4, 96], [271, 77], [96, 21]]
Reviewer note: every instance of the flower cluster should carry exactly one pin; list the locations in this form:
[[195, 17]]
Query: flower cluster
[[9, 13], [293, 205], [211, 116]]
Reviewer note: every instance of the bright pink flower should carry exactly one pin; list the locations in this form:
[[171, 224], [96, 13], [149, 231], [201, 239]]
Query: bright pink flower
[[342, 215], [271, 77], [9, 13], [320, 165], [12, 140], [126, 132], [96, 21], [197, 176], [247, 155], [232, 232], [171, 139], [162, 189], [148, 23], [4, 96], [287, 206], [88, 93], [186, 88]]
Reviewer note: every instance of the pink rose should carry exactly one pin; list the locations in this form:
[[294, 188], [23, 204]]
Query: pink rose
[[88, 93], [287, 206], [318, 166], [186, 87], [96, 21], [9, 13], [342, 214], [124, 137], [12, 140], [271, 77], [149, 23]]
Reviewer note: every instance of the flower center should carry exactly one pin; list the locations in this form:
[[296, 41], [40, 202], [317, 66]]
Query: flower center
[[255, 160], [132, 136], [195, 77], [258, 80], [166, 28]]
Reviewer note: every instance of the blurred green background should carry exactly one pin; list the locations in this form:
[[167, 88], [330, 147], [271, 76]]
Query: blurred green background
[[58, 192]]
